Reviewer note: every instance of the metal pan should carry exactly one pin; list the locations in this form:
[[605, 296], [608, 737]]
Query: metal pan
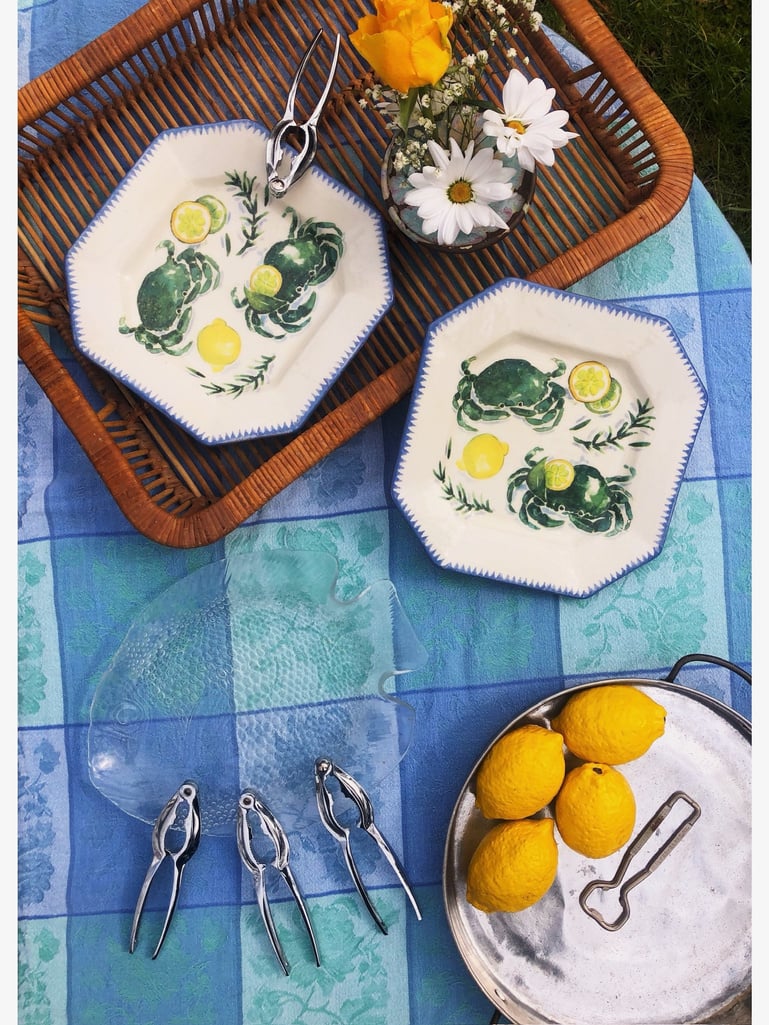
[[684, 954]]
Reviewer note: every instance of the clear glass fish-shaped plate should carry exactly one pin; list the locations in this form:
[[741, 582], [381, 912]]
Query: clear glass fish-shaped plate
[[242, 674]]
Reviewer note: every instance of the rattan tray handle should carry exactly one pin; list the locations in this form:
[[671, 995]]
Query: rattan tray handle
[[295, 458], [79, 70]]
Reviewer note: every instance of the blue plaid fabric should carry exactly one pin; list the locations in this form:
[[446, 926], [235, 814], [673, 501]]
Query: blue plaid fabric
[[492, 651]]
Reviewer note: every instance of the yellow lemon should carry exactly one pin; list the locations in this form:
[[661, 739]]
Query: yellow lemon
[[521, 773], [559, 474], [218, 344], [609, 402], [216, 208], [483, 456], [595, 810], [589, 381], [190, 222], [612, 724], [513, 866], [266, 280]]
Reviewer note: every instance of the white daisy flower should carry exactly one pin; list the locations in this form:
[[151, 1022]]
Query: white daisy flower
[[527, 128], [454, 195]]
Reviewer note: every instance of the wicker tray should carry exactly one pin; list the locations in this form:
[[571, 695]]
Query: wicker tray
[[84, 123]]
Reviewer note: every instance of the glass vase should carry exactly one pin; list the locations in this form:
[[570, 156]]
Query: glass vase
[[395, 187]]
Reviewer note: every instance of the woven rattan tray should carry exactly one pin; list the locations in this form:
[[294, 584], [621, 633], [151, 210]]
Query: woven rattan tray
[[83, 124]]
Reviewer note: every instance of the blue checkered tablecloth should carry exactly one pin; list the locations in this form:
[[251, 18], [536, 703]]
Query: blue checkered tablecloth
[[492, 651]]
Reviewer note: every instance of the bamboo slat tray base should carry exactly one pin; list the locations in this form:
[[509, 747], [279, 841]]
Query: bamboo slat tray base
[[84, 123]]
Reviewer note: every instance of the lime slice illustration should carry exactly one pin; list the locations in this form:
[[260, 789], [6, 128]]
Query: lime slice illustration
[[609, 402], [559, 474], [216, 208], [190, 222], [589, 381], [266, 280]]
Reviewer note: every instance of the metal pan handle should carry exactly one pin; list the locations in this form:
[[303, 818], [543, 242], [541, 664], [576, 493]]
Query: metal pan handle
[[670, 678]]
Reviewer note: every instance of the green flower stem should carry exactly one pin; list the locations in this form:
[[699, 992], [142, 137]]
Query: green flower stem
[[406, 107]]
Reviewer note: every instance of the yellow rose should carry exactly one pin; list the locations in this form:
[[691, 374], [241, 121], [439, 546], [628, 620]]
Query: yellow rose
[[405, 42]]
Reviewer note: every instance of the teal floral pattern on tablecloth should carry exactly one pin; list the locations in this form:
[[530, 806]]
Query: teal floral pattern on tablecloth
[[669, 606]]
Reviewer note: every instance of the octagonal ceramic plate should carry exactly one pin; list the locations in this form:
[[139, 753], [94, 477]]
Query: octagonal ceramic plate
[[547, 438], [231, 311]]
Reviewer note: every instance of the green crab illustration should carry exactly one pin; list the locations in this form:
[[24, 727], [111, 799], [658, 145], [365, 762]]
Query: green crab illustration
[[280, 293], [510, 387], [165, 299], [558, 492]]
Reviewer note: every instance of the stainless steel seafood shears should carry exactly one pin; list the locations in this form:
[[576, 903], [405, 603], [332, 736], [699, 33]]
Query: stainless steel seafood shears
[[181, 812], [325, 768], [249, 803], [305, 132]]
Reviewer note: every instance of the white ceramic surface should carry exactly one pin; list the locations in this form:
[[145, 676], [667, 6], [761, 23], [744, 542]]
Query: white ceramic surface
[[628, 463], [279, 354]]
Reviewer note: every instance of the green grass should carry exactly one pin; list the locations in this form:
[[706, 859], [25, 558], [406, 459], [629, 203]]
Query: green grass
[[696, 55]]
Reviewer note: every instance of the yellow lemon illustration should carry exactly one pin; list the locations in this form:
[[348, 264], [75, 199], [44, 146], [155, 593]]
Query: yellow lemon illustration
[[589, 381], [216, 208], [595, 810], [514, 865], [559, 474], [190, 222], [218, 344], [612, 724], [483, 456], [266, 280], [609, 402], [521, 773]]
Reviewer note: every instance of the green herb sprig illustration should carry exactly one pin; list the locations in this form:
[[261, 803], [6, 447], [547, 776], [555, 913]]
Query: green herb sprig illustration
[[456, 492], [246, 189], [641, 419], [242, 383]]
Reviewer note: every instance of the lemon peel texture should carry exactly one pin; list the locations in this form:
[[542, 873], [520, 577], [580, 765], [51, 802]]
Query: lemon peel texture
[[595, 810], [513, 867], [521, 773], [612, 724], [219, 344], [483, 456]]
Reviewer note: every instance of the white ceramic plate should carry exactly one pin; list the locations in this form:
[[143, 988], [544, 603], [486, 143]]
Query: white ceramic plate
[[495, 373], [144, 297]]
